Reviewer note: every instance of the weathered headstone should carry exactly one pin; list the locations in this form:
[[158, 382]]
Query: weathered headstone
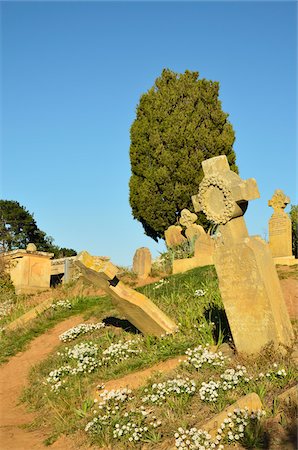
[[280, 226], [194, 231], [248, 281], [136, 307], [174, 236], [187, 218], [204, 246], [142, 262]]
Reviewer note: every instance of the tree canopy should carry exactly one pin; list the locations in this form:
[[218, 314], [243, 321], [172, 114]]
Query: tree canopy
[[18, 228], [179, 123]]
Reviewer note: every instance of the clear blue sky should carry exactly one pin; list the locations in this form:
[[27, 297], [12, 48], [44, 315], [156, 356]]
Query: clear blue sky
[[72, 74]]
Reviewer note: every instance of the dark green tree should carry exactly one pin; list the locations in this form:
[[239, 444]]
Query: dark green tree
[[18, 228], [294, 219], [179, 123]]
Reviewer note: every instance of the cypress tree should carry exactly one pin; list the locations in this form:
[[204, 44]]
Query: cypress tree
[[179, 123]]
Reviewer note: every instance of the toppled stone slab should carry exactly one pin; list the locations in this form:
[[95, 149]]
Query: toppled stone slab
[[250, 401], [136, 307], [290, 396], [136, 379], [29, 315]]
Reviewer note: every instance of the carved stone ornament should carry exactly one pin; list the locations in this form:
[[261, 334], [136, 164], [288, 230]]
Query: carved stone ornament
[[216, 199], [279, 201], [187, 218]]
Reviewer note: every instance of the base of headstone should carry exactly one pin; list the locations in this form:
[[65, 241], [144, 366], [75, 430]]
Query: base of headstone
[[285, 261], [182, 265], [252, 295]]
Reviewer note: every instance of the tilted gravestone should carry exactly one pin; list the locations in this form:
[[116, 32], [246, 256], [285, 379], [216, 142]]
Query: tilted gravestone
[[280, 226], [248, 281], [136, 307], [202, 242], [174, 236], [142, 262]]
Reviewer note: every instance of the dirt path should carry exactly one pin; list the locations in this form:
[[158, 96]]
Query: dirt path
[[13, 378]]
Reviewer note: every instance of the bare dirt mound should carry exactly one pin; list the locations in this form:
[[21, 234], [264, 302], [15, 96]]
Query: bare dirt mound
[[13, 378]]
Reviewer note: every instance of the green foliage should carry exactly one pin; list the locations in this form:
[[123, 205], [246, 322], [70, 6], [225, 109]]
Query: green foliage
[[179, 123], [294, 219], [15, 341], [18, 228]]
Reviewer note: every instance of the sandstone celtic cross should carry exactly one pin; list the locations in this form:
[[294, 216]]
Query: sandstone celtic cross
[[248, 281]]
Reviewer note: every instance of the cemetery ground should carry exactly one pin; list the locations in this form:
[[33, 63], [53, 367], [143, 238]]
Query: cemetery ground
[[161, 391]]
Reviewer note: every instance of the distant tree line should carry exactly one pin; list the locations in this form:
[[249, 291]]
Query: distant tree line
[[18, 227]]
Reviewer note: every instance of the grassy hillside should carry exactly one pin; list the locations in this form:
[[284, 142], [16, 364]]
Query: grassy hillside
[[164, 411]]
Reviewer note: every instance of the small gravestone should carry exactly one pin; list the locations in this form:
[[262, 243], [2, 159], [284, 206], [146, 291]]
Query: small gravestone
[[136, 307], [280, 226], [187, 220], [174, 236], [248, 281], [142, 263], [204, 246]]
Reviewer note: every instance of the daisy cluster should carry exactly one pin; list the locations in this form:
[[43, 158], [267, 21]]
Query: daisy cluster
[[84, 358], [233, 427], [194, 439], [134, 425], [5, 308], [160, 283], [232, 377], [199, 293], [131, 425], [61, 304], [160, 391], [201, 357], [209, 392], [272, 374], [82, 328], [120, 351], [231, 430], [111, 403]]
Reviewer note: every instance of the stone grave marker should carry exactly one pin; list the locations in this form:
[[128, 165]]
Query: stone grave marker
[[30, 269], [174, 236], [280, 226], [142, 262], [248, 281], [187, 220], [136, 307]]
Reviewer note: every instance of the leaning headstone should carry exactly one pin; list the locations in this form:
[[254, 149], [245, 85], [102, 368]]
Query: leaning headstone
[[204, 246], [280, 227], [142, 263], [136, 307], [174, 236], [248, 281]]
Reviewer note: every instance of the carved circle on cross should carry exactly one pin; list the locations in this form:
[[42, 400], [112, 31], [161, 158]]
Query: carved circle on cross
[[216, 199]]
